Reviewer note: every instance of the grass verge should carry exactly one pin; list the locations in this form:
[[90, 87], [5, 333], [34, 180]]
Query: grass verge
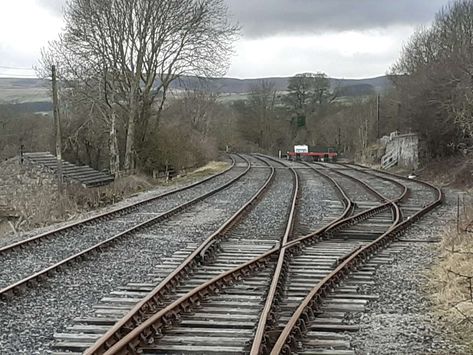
[[38, 204], [451, 281]]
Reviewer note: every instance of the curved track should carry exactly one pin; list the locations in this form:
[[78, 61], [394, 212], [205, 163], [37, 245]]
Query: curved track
[[263, 282], [37, 257], [303, 320], [254, 273], [235, 243], [100, 219]]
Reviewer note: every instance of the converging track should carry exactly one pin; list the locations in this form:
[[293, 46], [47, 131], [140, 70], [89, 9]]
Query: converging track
[[302, 332], [280, 275], [34, 258]]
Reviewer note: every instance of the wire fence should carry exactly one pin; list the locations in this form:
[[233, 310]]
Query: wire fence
[[464, 214]]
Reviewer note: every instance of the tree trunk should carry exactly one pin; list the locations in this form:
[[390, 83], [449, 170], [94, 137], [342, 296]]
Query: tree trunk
[[114, 153], [130, 136]]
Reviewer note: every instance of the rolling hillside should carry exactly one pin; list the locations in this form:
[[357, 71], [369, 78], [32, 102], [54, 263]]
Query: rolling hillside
[[25, 91], [240, 86]]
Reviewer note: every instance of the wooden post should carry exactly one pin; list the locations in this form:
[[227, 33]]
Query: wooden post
[[458, 214], [57, 126], [339, 139], [22, 151], [377, 117]]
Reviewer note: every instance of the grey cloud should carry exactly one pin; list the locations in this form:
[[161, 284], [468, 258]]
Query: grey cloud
[[268, 17], [55, 6]]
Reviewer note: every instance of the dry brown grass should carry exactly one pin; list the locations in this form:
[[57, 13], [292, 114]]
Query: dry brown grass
[[39, 204], [454, 172], [211, 168], [451, 282]]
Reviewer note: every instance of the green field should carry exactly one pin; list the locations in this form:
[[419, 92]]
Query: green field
[[23, 90]]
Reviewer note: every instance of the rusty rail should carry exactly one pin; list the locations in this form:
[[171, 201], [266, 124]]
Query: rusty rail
[[100, 246], [156, 324], [296, 326], [275, 294], [151, 303], [438, 190], [404, 188], [110, 214], [280, 271]]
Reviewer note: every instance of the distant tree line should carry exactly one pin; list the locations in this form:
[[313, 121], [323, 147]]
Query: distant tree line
[[432, 96], [118, 58]]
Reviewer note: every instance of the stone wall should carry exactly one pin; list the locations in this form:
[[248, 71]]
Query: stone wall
[[30, 194]]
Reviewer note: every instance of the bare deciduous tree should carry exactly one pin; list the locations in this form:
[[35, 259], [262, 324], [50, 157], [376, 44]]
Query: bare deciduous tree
[[435, 77], [262, 100], [132, 50]]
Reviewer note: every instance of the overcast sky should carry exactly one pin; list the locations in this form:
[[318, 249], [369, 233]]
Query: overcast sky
[[343, 38]]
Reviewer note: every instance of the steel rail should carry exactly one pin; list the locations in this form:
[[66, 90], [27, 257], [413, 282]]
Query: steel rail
[[129, 343], [349, 205], [296, 325], [156, 324], [267, 318], [404, 188], [404, 194], [425, 183], [99, 246], [109, 214], [280, 271], [151, 302]]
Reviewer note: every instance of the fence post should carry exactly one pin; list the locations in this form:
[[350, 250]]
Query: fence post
[[22, 150], [458, 214]]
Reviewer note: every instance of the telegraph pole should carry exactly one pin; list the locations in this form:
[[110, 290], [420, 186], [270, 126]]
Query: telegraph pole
[[377, 116], [57, 126], [339, 139]]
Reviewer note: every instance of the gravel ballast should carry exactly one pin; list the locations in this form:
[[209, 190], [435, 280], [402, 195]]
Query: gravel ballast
[[138, 197], [35, 257], [319, 203], [402, 320], [29, 321]]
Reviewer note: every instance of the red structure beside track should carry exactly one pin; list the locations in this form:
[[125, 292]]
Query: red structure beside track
[[314, 155]]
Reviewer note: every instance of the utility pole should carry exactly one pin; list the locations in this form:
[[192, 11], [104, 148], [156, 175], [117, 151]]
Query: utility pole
[[57, 126], [339, 139], [377, 117]]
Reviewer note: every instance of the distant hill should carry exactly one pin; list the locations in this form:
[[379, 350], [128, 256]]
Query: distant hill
[[241, 86], [356, 90], [21, 90]]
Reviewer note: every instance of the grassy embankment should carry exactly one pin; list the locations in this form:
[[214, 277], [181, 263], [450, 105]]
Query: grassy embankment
[[451, 278]]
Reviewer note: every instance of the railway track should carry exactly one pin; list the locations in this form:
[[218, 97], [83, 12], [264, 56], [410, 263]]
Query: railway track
[[420, 193], [43, 310], [220, 280], [236, 162], [37, 257], [309, 265], [238, 240], [269, 280], [302, 332]]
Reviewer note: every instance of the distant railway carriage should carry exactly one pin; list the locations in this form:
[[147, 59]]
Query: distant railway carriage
[[316, 153]]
